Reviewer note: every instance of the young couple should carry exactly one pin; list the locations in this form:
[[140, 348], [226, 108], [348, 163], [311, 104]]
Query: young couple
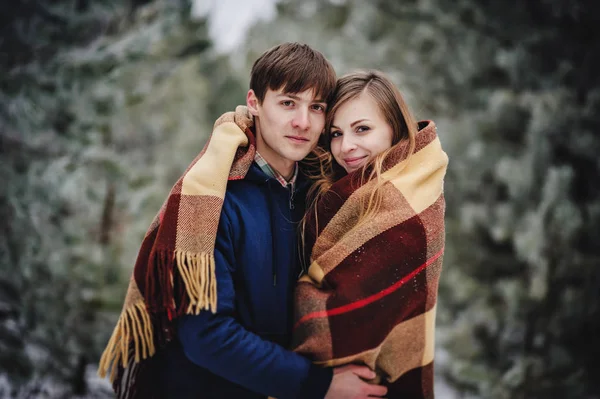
[[215, 307]]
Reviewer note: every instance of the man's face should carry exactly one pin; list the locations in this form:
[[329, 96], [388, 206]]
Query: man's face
[[288, 126]]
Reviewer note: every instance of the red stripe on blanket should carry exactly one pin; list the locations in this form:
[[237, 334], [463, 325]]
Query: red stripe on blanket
[[379, 263], [366, 301], [337, 337]]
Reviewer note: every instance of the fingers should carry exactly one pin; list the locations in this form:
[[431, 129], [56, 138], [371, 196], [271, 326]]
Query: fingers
[[363, 372], [345, 368], [376, 390]]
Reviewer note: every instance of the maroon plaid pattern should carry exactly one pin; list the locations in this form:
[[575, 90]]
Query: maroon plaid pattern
[[370, 294]]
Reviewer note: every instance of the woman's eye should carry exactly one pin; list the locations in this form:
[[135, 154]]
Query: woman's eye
[[362, 128], [335, 134]]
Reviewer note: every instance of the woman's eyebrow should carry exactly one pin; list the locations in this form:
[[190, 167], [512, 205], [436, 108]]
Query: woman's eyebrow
[[352, 124], [358, 121]]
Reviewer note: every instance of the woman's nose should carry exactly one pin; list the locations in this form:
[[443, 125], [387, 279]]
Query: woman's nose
[[348, 144]]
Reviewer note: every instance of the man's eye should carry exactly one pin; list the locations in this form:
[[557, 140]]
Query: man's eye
[[287, 103], [319, 107]]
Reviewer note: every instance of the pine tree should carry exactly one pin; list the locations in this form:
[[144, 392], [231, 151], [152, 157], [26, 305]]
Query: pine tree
[[103, 105]]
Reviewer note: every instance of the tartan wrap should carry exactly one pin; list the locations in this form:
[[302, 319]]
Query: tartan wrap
[[174, 273], [370, 293]]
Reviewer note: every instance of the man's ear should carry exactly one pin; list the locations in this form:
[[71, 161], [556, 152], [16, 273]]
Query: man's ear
[[252, 102]]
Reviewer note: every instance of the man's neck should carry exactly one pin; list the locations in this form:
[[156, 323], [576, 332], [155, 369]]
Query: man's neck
[[284, 167], [287, 173]]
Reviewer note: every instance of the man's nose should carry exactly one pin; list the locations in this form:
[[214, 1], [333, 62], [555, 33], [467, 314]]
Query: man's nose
[[301, 119]]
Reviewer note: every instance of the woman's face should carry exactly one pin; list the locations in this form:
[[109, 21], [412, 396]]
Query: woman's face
[[359, 132]]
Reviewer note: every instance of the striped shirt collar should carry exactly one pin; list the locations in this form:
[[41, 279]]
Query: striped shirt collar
[[266, 168]]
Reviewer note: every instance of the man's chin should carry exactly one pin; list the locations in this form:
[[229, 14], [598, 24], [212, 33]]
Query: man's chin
[[297, 156]]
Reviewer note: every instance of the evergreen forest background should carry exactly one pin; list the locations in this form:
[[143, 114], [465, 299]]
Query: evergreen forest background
[[104, 103]]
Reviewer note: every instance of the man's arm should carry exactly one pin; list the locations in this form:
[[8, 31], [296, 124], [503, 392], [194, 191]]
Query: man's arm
[[219, 343]]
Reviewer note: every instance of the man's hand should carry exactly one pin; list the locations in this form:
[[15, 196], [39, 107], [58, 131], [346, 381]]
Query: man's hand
[[348, 383]]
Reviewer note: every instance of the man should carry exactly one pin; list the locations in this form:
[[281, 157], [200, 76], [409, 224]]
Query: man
[[237, 350]]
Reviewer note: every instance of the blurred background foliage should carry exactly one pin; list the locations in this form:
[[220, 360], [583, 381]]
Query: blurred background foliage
[[103, 104]]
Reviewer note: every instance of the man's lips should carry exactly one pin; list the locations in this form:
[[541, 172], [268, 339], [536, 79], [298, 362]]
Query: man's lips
[[298, 139]]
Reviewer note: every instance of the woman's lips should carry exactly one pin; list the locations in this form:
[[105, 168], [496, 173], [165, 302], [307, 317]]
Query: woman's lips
[[354, 161]]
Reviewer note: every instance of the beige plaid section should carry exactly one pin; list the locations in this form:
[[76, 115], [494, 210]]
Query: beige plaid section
[[421, 177], [412, 341], [209, 175]]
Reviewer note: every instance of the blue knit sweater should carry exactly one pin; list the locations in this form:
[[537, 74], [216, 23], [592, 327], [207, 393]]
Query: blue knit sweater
[[239, 352]]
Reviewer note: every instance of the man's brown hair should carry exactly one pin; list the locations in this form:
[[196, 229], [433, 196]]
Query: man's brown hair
[[294, 68]]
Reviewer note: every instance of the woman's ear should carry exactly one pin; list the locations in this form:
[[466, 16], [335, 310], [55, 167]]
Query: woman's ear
[[252, 102]]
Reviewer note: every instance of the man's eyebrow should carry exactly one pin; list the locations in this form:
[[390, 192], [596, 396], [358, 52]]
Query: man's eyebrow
[[290, 95], [296, 97]]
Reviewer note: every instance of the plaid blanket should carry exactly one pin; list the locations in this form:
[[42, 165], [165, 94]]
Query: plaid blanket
[[174, 273], [370, 294]]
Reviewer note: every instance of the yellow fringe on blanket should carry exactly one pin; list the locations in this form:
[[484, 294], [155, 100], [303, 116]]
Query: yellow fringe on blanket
[[133, 331], [133, 325], [198, 274]]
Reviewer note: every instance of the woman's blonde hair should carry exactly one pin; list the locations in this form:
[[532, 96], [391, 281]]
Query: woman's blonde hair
[[325, 170]]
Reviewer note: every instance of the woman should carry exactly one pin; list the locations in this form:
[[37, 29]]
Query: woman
[[374, 237]]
